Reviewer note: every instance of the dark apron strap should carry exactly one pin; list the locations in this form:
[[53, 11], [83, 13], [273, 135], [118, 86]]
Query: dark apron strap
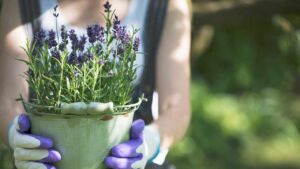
[[154, 24], [30, 11]]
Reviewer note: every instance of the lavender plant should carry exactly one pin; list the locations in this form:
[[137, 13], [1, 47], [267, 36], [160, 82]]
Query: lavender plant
[[65, 67]]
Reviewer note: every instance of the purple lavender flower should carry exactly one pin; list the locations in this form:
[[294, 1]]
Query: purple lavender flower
[[116, 31], [116, 26], [81, 43], [64, 37], [51, 41], [116, 22], [120, 49], [99, 32], [107, 7], [126, 40], [62, 46], [91, 34], [64, 33], [55, 54], [74, 39], [136, 44], [72, 58], [97, 29], [89, 56], [55, 13], [120, 32], [39, 37], [95, 32], [80, 58], [101, 38]]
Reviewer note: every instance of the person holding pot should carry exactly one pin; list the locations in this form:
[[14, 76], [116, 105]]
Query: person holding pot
[[164, 78]]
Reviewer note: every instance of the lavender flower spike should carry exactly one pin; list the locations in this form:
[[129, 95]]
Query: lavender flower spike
[[55, 13], [55, 54], [136, 44], [64, 34], [64, 37], [81, 43], [120, 49], [89, 56], [51, 42], [91, 34], [39, 37], [107, 7], [116, 22], [99, 32], [72, 58], [73, 38], [81, 58]]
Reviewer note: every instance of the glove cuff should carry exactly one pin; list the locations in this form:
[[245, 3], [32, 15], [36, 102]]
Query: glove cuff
[[152, 142], [10, 134], [154, 155]]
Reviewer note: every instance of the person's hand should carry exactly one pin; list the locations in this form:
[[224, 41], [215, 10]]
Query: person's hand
[[142, 146], [30, 151]]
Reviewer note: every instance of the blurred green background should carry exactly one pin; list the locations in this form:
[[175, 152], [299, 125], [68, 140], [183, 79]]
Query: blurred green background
[[245, 90], [246, 87]]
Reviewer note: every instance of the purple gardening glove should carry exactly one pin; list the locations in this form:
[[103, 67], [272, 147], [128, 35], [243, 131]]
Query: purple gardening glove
[[142, 146], [30, 151]]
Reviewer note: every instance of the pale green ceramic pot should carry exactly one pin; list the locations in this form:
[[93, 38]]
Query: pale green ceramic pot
[[83, 141]]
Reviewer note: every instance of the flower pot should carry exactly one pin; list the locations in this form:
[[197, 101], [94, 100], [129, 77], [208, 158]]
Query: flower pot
[[83, 140]]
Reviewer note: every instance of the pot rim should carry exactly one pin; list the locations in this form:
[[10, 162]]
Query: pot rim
[[117, 110]]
